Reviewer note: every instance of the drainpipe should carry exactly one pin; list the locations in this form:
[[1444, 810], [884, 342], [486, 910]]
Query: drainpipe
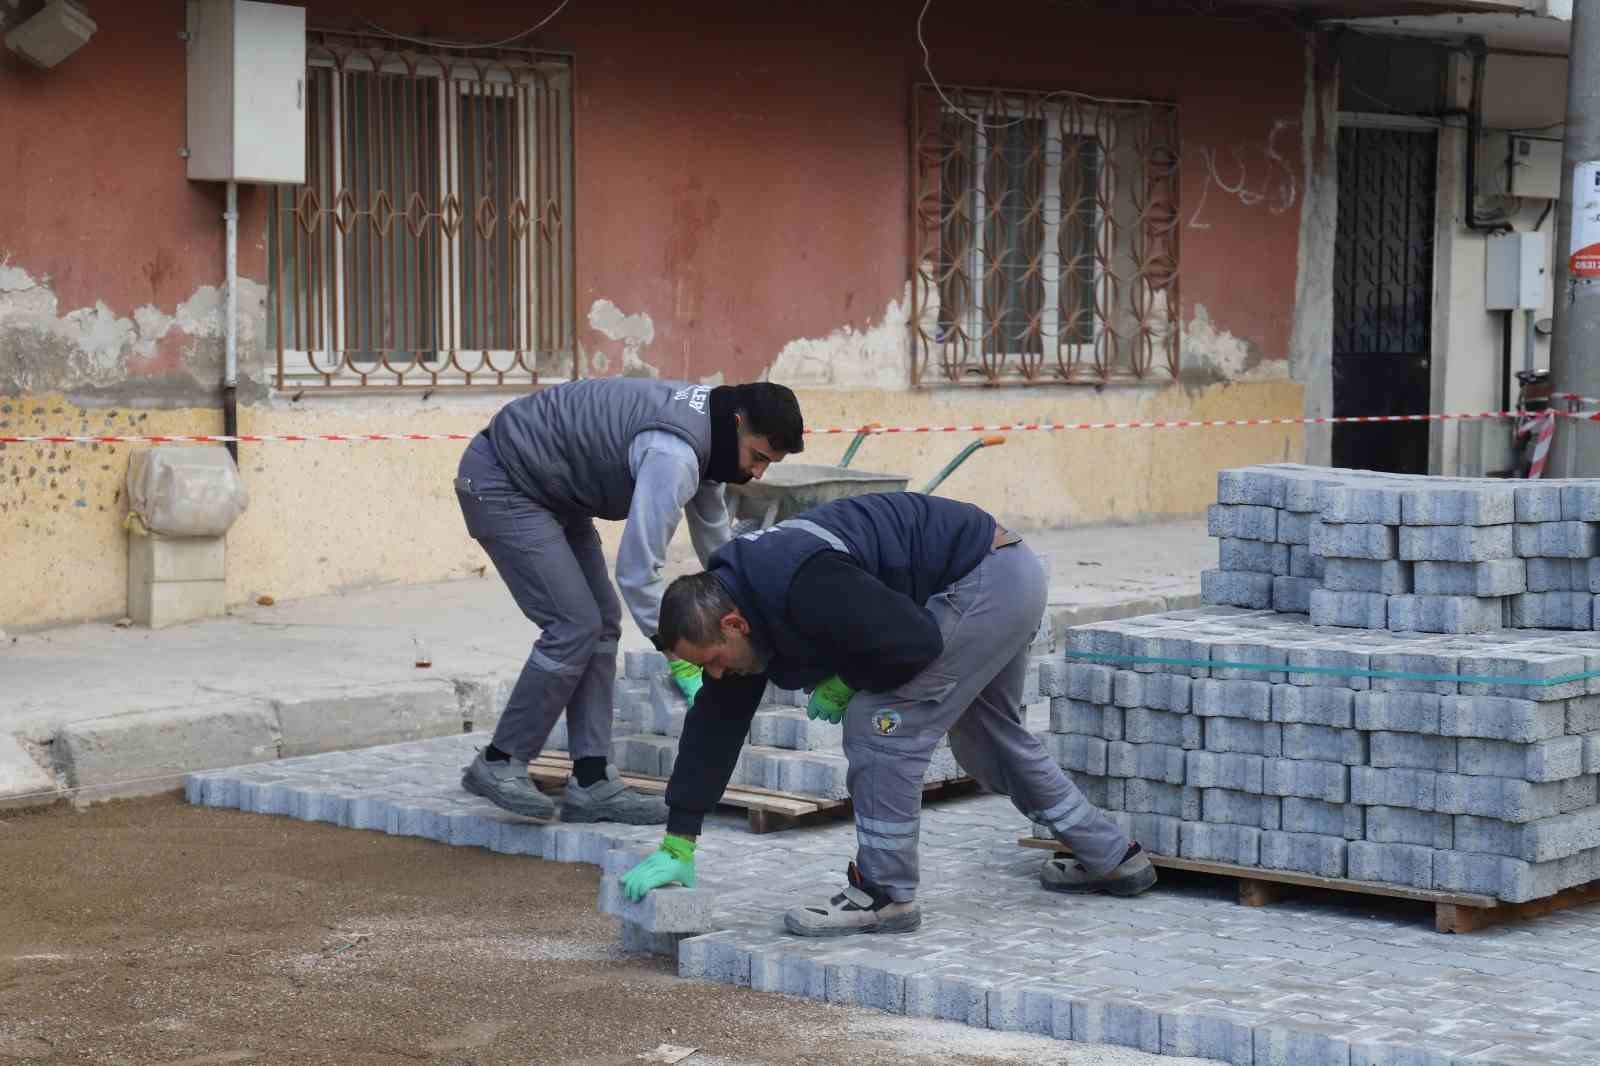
[[1480, 59], [230, 365]]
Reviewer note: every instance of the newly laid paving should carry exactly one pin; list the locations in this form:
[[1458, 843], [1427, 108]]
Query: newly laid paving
[[1181, 970]]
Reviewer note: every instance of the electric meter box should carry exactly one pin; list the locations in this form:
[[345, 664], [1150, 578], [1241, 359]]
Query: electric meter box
[[247, 79], [1517, 269]]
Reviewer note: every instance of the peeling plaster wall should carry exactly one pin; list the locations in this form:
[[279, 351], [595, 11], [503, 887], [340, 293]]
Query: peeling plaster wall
[[1311, 342]]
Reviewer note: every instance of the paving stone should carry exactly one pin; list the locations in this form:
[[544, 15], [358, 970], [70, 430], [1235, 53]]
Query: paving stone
[[1314, 706], [1053, 679], [1445, 614], [1406, 712], [643, 665], [1156, 797], [1305, 852], [1440, 664], [1510, 800], [1580, 716], [1412, 751], [1509, 879], [1243, 522], [1531, 664], [1359, 610], [1225, 806], [1322, 665], [1236, 588], [1166, 692], [1556, 540], [1388, 576], [1457, 544], [1548, 760], [1552, 610], [1319, 818], [1538, 503], [1142, 726], [1252, 738], [1581, 502], [1231, 770], [1090, 683], [1168, 645], [1294, 529], [1253, 656], [1395, 864], [1221, 843], [1232, 699], [1496, 718], [1326, 781], [1208, 1037], [1543, 840], [1321, 743], [668, 910], [1398, 825], [1415, 789], [1557, 575], [1480, 505], [1155, 762], [1156, 832], [1075, 751], [1253, 486], [1353, 503], [1278, 1046], [1499, 577], [1302, 563], [1255, 556], [1089, 719], [1353, 540], [1293, 594]]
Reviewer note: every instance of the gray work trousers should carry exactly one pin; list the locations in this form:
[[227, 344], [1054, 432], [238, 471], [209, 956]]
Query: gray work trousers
[[557, 574], [973, 691]]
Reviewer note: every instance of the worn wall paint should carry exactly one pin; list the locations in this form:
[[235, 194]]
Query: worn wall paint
[[1311, 340]]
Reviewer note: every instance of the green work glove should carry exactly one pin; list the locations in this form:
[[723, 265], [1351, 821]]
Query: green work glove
[[673, 862], [828, 701], [688, 676]]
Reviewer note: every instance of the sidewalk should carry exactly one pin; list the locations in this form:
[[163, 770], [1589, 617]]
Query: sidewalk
[[115, 712]]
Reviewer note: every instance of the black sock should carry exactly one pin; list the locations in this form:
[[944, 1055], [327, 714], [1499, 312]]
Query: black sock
[[1133, 849], [590, 770], [494, 754]]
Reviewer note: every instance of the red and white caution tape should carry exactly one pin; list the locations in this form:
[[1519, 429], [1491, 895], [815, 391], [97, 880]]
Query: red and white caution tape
[[874, 430], [1543, 425]]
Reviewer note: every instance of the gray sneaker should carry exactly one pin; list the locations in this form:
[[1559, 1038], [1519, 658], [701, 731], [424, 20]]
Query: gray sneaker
[[507, 785], [859, 908], [1132, 876], [611, 801]]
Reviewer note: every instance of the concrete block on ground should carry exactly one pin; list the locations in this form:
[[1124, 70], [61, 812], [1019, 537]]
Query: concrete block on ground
[[1357, 610], [1223, 806], [1294, 529], [132, 754], [1394, 864], [1547, 760], [643, 665], [670, 909], [1313, 705], [1256, 556], [1326, 781], [1359, 504], [1326, 664], [1399, 712], [1296, 814], [1321, 743], [366, 716], [1591, 753], [1499, 577], [1557, 540], [1090, 683], [1445, 614], [1167, 692], [1581, 716], [1292, 595], [1354, 540], [1439, 665], [1388, 576], [1157, 833], [1089, 719], [1552, 610], [1306, 852], [156, 560], [1252, 656], [1241, 735], [1478, 505], [1253, 486], [1143, 726], [1581, 502], [1538, 503], [1413, 751], [1053, 679], [1302, 563], [1236, 588], [1499, 718], [642, 753], [1523, 664], [1241, 521], [1544, 840], [1508, 879], [1229, 770], [1208, 1036], [1457, 544], [1232, 699], [1557, 575], [1156, 797], [1301, 1046], [1220, 843], [1375, 787], [1153, 762], [1511, 800], [1076, 751], [1398, 825], [1169, 645]]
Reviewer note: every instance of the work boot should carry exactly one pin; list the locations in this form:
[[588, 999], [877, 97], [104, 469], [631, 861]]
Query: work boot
[[1132, 876], [507, 786], [861, 908], [611, 801]]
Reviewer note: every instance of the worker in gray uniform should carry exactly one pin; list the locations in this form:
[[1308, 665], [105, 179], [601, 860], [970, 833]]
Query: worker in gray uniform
[[531, 486], [909, 618]]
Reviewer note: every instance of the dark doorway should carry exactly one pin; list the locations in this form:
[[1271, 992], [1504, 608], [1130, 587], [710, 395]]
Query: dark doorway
[[1383, 296]]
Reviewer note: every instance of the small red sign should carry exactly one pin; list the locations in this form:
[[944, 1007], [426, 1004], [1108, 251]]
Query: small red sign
[[1585, 262]]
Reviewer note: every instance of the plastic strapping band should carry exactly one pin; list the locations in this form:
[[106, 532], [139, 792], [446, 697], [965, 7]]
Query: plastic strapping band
[[1334, 671]]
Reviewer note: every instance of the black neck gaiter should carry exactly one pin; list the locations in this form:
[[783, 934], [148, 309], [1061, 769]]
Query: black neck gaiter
[[724, 463]]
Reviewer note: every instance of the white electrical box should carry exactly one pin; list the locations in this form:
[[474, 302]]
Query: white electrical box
[[247, 110], [1517, 266], [1535, 168]]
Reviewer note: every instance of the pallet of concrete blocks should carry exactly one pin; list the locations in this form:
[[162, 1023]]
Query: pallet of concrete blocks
[[1460, 763], [1408, 553]]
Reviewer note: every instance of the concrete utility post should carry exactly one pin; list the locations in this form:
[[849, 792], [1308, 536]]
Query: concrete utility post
[[1575, 353]]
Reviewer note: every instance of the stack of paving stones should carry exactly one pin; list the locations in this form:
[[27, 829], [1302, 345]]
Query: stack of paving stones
[[1256, 738], [1407, 553]]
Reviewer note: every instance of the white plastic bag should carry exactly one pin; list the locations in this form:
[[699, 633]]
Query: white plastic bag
[[185, 491]]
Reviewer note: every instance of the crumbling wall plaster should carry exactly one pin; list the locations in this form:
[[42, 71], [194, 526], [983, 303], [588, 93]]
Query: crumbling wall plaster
[[877, 356]]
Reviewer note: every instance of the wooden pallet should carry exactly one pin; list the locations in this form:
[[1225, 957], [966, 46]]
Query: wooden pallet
[[768, 810], [1453, 912]]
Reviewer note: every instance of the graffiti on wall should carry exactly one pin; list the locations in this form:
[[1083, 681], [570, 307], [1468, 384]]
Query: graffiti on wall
[[1255, 173]]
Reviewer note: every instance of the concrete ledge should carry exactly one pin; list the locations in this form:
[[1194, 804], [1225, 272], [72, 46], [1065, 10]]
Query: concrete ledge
[[23, 782], [364, 717], [1066, 615], [137, 754]]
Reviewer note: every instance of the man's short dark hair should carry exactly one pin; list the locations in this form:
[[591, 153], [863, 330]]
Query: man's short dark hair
[[692, 610], [773, 412]]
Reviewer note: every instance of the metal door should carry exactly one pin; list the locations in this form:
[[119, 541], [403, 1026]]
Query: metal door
[[1383, 295]]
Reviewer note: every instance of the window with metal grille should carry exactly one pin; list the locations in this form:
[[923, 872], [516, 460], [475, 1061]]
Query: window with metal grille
[[1046, 238], [431, 245]]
